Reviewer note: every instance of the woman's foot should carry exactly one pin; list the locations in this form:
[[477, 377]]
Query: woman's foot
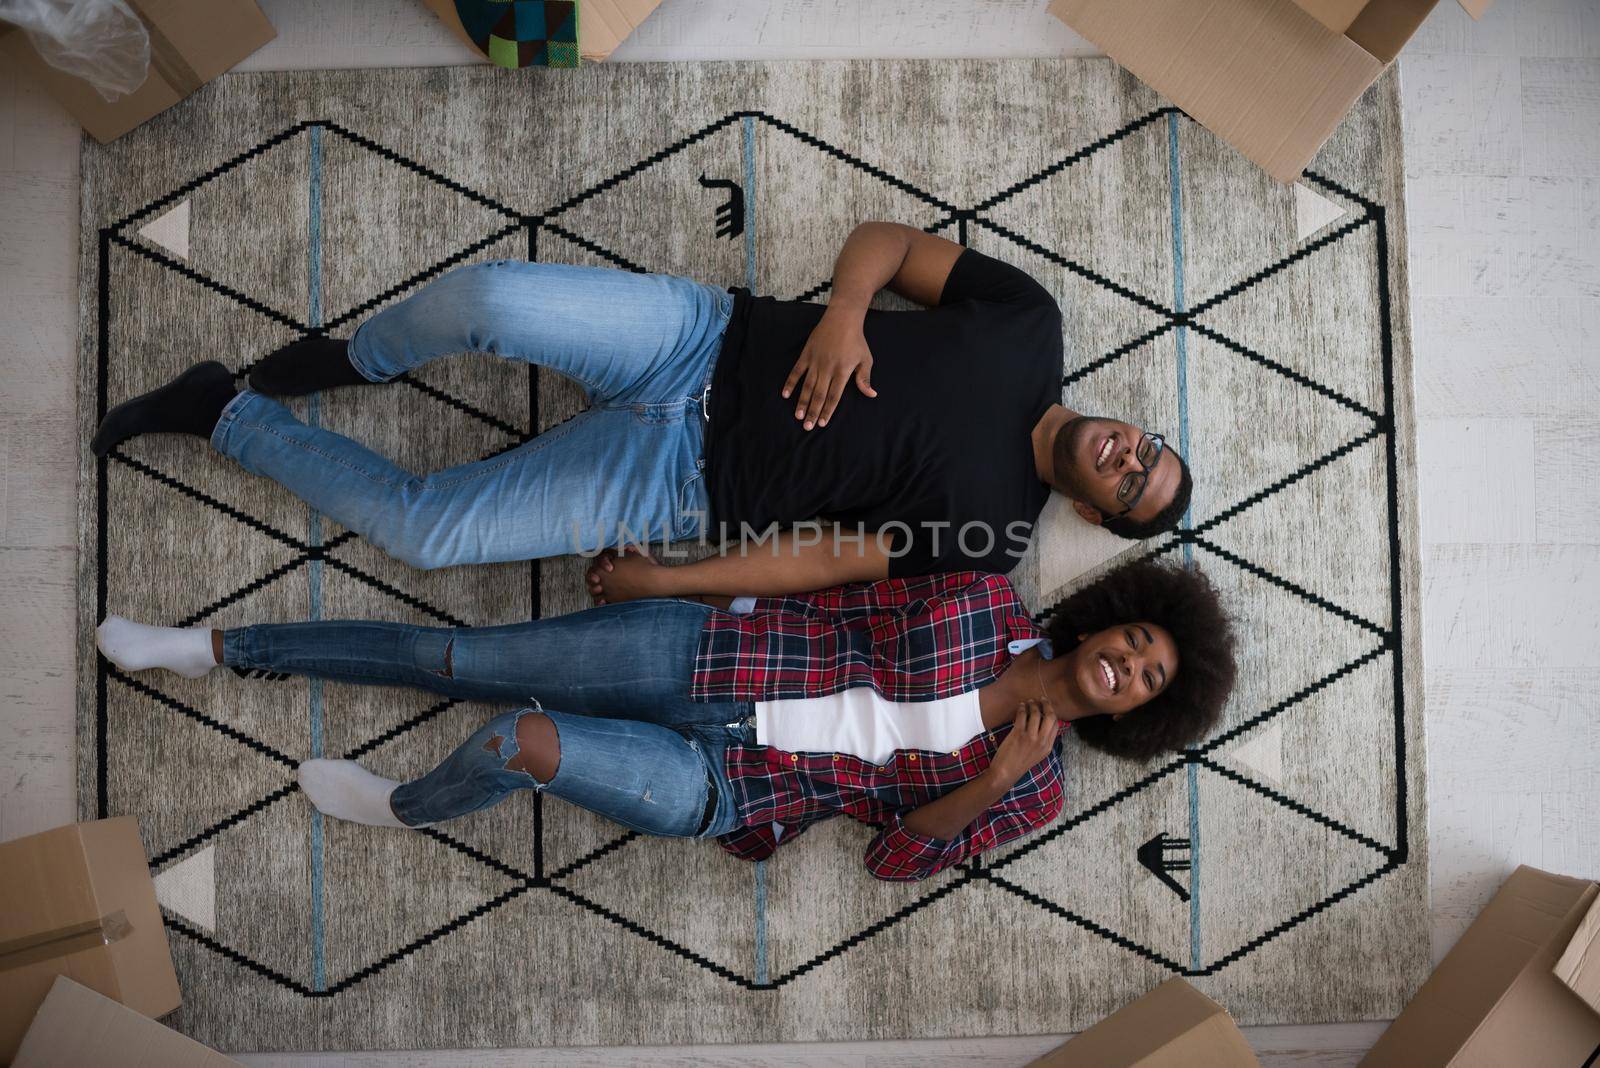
[[307, 366], [137, 647], [189, 404], [347, 791]]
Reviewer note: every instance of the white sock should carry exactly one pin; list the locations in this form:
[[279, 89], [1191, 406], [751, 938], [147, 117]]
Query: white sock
[[134, 647], [348, 791]]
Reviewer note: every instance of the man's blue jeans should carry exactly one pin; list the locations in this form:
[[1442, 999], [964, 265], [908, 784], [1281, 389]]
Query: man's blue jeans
[[642, 346], [614, 680]]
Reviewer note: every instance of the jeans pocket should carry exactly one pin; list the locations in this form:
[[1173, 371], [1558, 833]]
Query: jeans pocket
[[657, 414], [691, 506]]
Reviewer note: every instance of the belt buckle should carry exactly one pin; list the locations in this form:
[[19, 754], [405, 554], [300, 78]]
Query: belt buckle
[[705, 404]]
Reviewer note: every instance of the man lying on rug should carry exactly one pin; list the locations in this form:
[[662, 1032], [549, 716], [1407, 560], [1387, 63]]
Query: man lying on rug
[[927, 707], [936, 430]]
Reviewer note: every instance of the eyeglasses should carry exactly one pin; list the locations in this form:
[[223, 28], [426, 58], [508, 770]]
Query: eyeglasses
[[1134, 483]]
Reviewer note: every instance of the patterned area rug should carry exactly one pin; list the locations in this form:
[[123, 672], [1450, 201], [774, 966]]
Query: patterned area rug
[[1262, 327]]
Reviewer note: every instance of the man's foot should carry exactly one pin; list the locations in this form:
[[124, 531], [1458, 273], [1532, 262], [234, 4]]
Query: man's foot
[[189, 404], [309, 365], [137, 647], [347, 791]]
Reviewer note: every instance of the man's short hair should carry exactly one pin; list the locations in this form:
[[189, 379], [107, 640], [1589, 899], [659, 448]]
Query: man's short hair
[[1166, 519]]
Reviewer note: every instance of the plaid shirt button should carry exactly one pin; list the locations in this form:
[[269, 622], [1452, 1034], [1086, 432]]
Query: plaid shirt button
[[912, 756]]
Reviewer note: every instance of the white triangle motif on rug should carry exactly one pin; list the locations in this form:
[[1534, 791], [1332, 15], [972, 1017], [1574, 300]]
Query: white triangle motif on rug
[[189, 888], [1263, 754], [170, 231], [1312, 211]]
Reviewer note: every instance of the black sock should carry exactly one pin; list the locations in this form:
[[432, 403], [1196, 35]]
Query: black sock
[[189, 404], [308, 365]]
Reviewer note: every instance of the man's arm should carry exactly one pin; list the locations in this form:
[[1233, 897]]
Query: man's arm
[[902, 258], [796, 561], [914, 264]]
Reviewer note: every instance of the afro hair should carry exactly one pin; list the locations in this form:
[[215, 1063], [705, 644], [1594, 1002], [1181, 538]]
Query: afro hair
[[1184, 603]]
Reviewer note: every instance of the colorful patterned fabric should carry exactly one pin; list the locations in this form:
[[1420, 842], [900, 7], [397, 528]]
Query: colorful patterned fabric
[[910, 639], [523, 33]]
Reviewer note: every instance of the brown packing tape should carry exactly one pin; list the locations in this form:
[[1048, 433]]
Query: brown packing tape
[[168, 62], [61, 941]]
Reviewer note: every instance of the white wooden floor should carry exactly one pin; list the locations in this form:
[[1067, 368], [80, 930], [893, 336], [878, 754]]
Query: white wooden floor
[[1503, 155]]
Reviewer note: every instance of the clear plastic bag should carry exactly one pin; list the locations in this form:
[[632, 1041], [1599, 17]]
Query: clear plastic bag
[[101, 41]]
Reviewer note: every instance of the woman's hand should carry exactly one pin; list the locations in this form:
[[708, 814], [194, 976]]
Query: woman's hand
[[1033, 735], [836, 350], [615, 578]]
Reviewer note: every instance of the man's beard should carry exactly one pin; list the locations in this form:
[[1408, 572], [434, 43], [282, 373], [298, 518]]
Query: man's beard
[[1068, 454]]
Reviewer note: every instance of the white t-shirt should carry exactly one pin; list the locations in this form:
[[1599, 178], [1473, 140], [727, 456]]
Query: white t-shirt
[[859, 722]]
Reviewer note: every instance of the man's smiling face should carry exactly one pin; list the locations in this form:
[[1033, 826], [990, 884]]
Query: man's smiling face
[[1093, 457]]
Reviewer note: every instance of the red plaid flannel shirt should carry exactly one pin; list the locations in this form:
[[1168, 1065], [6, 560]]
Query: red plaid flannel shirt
[[911, 639]]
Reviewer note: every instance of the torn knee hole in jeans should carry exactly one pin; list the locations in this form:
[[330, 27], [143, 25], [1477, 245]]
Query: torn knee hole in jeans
[[526, 755], [449, 669], [517, 760]]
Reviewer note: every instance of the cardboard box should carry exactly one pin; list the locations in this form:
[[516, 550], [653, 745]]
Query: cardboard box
[[191, 42], [1173, 1026], [1270, 77], [1579, 966], [1496, 998], [77, 1028], [602, 24], [79, 901]]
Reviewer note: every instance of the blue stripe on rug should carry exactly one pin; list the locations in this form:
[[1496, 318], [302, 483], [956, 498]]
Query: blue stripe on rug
[[319, 964], [1174, 180]]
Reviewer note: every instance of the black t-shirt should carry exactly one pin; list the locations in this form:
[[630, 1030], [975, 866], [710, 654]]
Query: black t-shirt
[[941, 460]]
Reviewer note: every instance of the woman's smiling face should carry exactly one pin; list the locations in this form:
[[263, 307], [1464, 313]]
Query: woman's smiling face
[[1120, 668]]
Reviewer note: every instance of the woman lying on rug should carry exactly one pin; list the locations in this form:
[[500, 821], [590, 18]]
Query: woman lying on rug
[[928, 707]]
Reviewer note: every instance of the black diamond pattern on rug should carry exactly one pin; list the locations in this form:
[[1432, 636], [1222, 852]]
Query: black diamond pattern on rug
[[476, 410]]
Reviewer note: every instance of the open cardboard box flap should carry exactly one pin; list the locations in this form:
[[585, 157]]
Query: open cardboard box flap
[[76, 1026], [1173, 1026], [1496, 998], [1340, 15], [1264, 75], [1579, 966]]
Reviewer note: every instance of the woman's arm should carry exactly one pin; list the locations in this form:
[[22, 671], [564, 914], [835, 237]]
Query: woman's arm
[[1032, 736]]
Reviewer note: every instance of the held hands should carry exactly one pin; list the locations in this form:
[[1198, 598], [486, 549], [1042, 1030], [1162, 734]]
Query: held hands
[[836, 350], [614, 578], [1033, 735]]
